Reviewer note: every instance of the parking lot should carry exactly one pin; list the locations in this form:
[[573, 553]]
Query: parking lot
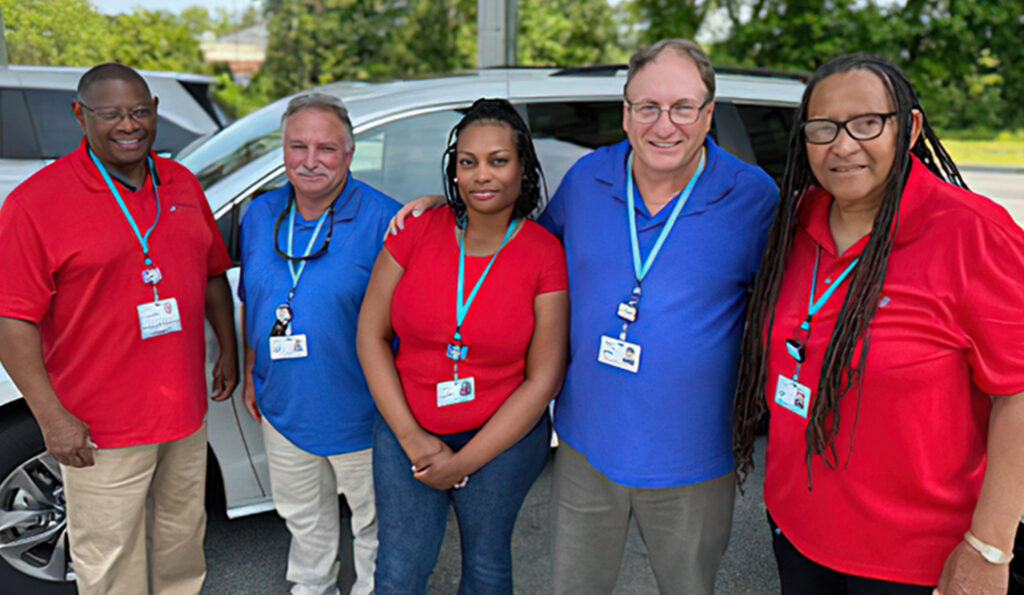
[[248, 555]]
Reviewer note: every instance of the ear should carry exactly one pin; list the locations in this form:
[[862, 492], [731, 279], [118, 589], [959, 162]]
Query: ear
[[156, 100], [76, 109], [625, 117], [916, 124]]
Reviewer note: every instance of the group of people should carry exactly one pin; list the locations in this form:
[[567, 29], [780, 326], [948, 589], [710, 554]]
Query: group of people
[[659, 298]]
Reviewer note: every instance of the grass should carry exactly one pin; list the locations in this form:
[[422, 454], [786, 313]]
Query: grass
[[1006, 149]]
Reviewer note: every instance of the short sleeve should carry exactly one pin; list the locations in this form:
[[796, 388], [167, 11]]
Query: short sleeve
[[402, 245], [553, 274], [992, 302], [27, 284], [766, 202]]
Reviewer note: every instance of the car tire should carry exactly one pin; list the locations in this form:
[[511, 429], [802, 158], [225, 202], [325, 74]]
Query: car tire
[[33, 526]]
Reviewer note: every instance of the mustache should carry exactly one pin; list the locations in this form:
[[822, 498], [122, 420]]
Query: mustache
[[316, 171]]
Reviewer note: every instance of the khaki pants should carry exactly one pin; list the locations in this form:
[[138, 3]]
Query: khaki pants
[[137, 518], [305, 487], [685, 529]]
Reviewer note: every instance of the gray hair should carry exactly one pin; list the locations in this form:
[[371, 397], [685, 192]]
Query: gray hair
[[324, 102], [683, 47]]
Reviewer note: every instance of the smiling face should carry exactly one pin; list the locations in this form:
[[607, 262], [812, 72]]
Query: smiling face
[[316, 155], [663, 147], [121, 145], [487, 166], [852, 171]]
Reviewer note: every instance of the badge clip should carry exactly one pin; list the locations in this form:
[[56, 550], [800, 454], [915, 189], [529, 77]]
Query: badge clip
[[152, 276]]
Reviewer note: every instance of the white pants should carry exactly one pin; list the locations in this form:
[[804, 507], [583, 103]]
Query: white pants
[[305, 488], [137, 518]]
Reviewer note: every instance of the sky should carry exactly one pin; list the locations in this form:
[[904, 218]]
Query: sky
[[118, 6]]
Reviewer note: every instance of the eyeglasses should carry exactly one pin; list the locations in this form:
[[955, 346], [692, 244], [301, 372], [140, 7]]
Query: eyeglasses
[[680, 113], [139, 114], [822, 131]]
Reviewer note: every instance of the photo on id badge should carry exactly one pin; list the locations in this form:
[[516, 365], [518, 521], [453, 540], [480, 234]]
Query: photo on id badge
[[792, 395], [620, 354]]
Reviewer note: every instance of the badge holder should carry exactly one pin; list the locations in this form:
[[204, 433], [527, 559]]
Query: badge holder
[[457, 390], [789, 393], [160, 316], [620, 353], [283, 344]]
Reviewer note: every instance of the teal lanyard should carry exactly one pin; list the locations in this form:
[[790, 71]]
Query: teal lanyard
[[142, 238], [297, 274], [683, 196], [462, 305], [813, 305]]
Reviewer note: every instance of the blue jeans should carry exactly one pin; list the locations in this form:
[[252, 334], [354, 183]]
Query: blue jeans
[[412, 517]]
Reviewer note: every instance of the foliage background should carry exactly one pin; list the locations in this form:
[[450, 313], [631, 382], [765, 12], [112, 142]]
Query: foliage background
[[964, 56]]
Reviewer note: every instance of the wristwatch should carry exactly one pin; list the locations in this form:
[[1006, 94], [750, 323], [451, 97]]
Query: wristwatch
[[987, 551]]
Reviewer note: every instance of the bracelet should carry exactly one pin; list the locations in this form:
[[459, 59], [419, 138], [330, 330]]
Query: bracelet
[[987, 551]]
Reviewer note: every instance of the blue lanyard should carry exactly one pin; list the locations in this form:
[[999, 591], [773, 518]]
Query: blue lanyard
[[462, 305], [143, 238], [683, 196], [296, 275], [813, 305]]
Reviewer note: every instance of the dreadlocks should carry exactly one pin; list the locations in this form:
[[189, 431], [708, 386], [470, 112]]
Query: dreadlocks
[[500, 112], [839, 373]]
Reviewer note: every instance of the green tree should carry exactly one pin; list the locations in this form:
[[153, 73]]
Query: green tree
[[55, 32], [155, 40], [567, 32], [660, 19]]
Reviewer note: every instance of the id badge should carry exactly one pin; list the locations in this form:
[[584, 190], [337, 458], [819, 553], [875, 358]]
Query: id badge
[[159, 318], [290, 347], [621, 354], [793, 396], [455, 391]]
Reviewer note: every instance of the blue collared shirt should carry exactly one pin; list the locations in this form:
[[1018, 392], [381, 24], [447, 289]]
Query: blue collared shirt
[[320, 403], [669, 424]]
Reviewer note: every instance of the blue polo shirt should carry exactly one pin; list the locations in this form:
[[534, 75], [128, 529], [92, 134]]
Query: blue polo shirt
[[320, 403], [669, 424]]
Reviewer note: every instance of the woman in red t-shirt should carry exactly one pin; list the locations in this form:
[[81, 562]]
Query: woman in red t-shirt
[[885, 337], [476, 295]]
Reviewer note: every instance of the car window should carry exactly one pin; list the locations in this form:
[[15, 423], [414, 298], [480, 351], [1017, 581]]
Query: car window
[[56, 128], [768, 129], [236, 146], [402, 158], [17, 139], [228, 222], [564, 131]]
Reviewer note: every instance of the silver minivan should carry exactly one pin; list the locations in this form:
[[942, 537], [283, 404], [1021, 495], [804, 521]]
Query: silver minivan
[[400, 131], [37, 126]]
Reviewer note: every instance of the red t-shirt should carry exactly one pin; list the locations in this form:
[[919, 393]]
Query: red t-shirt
[[70, 263], [497, 329], [949, 331]]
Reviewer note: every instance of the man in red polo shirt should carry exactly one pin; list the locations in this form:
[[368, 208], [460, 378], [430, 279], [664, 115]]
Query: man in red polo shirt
[[111, 258]]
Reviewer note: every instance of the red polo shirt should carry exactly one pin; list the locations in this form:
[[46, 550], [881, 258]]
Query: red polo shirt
[[70, 263], [949, 332]]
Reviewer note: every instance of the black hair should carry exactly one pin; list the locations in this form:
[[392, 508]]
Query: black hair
[[839, 373], [496, 111], [109, 71]]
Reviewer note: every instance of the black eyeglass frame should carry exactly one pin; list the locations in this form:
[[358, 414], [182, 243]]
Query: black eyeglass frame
[[844, 125], [121, 114], [277, 230]]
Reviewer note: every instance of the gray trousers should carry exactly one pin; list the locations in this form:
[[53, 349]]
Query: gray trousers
[[684, 528]]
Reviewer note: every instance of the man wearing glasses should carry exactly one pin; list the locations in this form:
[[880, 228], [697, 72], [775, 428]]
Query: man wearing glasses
[[663, 234], [307, 251], [111, 259]]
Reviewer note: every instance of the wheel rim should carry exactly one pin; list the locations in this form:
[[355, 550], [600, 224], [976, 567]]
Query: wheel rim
[[33, 521]]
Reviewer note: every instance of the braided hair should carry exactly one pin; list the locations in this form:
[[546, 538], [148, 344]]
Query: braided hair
[[499, 112], [839, 373]]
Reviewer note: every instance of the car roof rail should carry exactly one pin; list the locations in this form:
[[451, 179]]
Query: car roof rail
[[614, 69]]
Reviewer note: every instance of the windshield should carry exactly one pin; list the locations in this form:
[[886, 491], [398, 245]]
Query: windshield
[[241, 143]]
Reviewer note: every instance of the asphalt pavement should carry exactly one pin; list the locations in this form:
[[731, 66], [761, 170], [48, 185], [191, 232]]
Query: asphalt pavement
[[248, 555]]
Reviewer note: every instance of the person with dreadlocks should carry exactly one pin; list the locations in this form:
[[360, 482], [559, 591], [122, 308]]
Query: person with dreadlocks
[[885, 338], [477, 296]]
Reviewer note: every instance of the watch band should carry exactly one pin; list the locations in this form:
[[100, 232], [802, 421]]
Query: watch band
[[987, 551]]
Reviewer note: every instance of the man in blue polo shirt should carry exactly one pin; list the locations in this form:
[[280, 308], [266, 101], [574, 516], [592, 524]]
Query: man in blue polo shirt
[[663, 234], [307, 251]]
